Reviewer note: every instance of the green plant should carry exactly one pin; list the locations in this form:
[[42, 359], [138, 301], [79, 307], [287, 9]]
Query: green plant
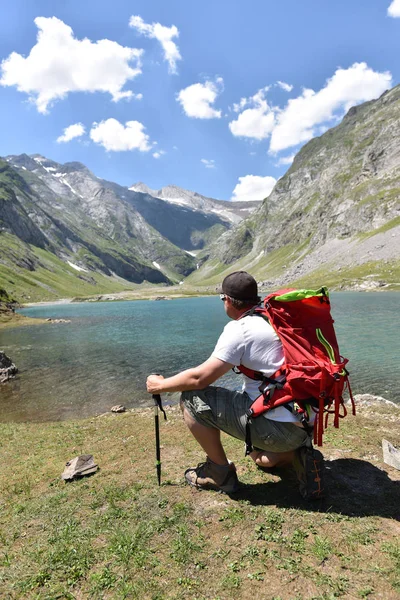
[[322, 548]]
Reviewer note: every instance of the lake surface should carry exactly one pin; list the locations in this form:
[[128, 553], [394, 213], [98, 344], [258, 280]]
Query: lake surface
[[102, 358]]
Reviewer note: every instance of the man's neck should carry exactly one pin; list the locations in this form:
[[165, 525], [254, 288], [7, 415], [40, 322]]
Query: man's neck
[[243, 311]]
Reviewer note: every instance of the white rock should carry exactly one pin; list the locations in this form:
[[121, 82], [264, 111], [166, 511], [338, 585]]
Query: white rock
[[391, 455]]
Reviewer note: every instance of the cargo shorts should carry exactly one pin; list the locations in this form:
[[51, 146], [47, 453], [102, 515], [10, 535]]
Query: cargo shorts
[[226, 409]]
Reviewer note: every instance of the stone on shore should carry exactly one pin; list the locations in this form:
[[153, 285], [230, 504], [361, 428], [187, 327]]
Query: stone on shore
[[7, 368], [371, 400], [391, 455], [79, 467], [118, 408]]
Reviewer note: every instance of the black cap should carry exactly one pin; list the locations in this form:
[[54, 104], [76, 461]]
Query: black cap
[[241, 286]]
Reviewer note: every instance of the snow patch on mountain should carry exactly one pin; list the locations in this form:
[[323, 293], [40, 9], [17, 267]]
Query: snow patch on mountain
[[76, 267]]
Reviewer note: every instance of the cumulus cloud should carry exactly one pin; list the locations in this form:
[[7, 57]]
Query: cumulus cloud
[[71, 132], [312, 112], [59, 64], [197, 99], [298, 121], [164, 35], [158, 153], [394, 9], [253, 187], [116, 137], [256, 122], [209, 164], [284, 86]]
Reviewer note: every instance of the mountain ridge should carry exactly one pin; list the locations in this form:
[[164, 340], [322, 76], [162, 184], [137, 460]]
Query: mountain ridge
[[93, 227], [321, 218]]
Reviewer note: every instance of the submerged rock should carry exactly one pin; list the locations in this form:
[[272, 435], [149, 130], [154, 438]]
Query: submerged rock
[[58, 320], [7, 367]]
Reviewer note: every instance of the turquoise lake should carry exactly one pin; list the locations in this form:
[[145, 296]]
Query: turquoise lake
[[102, 357]]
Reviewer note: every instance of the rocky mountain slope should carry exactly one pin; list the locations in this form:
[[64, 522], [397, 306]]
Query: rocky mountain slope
[[62, 223], [233, 212], [333, 217]]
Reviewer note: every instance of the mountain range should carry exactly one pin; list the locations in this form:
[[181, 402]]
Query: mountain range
[[333, 219], [64, 231]]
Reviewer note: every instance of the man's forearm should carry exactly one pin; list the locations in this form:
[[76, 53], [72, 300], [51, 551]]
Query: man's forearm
[[196, 378], [190, 379]]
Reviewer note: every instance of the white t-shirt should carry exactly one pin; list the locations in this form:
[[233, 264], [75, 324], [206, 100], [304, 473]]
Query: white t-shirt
[[252, 342]]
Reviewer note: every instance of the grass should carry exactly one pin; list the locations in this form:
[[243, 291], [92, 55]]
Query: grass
[[348, 277], [118, 535], [52, 277], [386, 227]]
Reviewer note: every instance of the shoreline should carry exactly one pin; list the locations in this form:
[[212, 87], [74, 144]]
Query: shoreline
[[128, 296], [362, 401]]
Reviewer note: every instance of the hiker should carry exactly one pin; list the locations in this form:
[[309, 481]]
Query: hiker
[[277, 435]]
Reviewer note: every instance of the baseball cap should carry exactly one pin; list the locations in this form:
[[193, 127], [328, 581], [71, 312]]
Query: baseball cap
[[241, 286]]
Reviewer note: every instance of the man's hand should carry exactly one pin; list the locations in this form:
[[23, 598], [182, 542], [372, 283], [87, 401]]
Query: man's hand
[[154, 384]]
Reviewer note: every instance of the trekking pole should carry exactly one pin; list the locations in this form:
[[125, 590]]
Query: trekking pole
[[158, 405], [157, 401]]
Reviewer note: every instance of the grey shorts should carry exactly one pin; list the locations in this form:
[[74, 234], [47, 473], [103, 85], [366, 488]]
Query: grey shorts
[[226, 410]]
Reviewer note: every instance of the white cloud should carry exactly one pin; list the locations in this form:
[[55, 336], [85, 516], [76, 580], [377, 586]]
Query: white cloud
[[394, 9], [284, 86], [59, 64], [312, 112], [114, 136], [71, 132], [197, 99], [253, 187], [298, 121], [158, 154], [164, 35], [286, 160], [256, 122], [209, 164]]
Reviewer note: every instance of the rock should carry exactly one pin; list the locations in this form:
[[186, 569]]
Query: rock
[[370, 400], [58, 320], [391, 455], [118, 408], [7, 368], [79, 467]]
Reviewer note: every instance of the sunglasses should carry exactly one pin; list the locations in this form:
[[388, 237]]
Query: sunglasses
[[222, 297]]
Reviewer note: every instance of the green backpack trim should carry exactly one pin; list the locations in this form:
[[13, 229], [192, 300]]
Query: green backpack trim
[[302, 294]]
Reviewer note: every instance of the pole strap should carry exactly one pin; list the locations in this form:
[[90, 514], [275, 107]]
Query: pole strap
[[158, 402]]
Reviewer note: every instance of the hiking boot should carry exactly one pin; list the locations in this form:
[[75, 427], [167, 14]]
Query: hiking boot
[[309, 466], [210, 476]]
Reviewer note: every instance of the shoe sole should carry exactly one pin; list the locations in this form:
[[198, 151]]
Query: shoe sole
[[311, 463]]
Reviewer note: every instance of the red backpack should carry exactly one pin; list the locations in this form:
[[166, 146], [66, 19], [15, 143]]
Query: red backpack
[[313, 373]]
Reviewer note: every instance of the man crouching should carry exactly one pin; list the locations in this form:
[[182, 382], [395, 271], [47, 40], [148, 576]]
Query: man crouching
[[208, 410]]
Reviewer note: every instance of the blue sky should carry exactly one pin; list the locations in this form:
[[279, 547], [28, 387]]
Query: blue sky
[[214, 96]]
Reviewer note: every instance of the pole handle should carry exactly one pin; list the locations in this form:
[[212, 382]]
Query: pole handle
[[158, 402]]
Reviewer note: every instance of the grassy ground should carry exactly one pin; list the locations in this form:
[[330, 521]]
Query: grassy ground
[[118, 535]]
